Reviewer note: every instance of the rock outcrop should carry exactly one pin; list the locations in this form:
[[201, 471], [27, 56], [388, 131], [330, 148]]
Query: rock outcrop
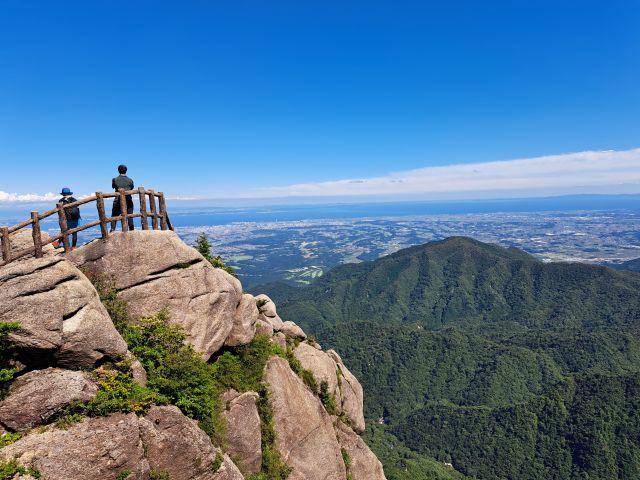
[[105, 447], [23, 239], [244, 437], [304, 431], [364, 464], [94, 449], [155, 270], [244, 322], [65, 329], [175, 444], [61, 318], [37, 396], [328, 367]]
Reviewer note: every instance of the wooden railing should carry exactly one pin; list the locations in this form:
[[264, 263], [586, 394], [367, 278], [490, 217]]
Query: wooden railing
[[157, 213]]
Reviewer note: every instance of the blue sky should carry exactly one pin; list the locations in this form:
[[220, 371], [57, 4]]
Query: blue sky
[[216, 99]]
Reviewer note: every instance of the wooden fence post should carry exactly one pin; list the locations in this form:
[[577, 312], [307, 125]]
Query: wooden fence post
[[123, 210], [163, 212], [35, 231], [62, 220], [6, 244], [143, 208], [154, 212], [101, 215]]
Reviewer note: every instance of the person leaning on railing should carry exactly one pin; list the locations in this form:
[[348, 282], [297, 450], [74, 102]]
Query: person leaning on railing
[[124, 182]]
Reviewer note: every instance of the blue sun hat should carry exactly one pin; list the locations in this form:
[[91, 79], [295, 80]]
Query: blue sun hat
[[66, 191]]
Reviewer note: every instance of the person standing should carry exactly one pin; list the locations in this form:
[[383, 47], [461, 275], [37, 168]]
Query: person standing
[[72, 214], [124, 182]]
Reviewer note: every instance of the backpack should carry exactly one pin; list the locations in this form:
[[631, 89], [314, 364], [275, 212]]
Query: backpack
[[72, 213]]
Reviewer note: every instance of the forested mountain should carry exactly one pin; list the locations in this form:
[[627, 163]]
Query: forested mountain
[[633, 265], [487, 358]]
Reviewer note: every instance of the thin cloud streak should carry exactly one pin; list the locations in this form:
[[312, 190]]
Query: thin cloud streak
[[556, 174], [27, 197]]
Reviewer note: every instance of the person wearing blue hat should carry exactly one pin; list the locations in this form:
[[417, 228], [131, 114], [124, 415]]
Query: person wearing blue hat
[[72, 214]]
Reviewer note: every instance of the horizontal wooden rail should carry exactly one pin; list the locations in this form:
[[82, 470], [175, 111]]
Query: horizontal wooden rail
[[156, 212]]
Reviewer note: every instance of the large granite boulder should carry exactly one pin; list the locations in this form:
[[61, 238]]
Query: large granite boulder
[[364, 464], [244, 437], [244, 322], [304, 432], [23, 239], [267, 312], [155, 270], [175, 444], [62, 319], [352, 394], [94, 449], [36, 397], [105, 447], [292, 330], [328, 367]]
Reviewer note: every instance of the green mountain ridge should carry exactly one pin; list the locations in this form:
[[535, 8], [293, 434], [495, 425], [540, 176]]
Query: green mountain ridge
[[487, 358]]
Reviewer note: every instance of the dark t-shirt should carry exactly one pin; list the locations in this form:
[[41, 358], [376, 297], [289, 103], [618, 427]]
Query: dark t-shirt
[[122, 181]]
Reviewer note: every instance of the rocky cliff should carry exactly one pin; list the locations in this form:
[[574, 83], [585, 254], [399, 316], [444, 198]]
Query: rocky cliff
[[79, 407]]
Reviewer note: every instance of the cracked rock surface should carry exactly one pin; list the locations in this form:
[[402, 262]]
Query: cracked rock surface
[[155, 270], [244, 437], [104, 447], [304, 431], [328, 367], [62, 320], [36, 397]]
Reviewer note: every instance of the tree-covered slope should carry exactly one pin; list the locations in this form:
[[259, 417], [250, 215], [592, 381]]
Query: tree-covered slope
[[463, 281], [488, 359]]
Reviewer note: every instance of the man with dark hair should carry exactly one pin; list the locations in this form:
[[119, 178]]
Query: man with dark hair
[[124, 182]]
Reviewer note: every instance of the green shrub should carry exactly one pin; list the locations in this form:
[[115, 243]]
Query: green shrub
[[159, 475], [217, 462], [9, 438], [273, 467], [306, 375], [204, 247], [328, 399], [6, 370], [347, 463], [118, 393], [67, 420], [242, 368], [123, 475], [8, 469]]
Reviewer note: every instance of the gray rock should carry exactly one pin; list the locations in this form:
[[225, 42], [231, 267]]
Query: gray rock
[[280, 339], [36, 397], [102, 448], [292, 330], [23, 239], [244, 438], [155, 270], [244, 322], [364, 464], [94, 449], [275, 322], [328, 367], [263, 328], [304, 432], [176, 444], [352, 401], [266, 305], [138, 372], [62, 319]]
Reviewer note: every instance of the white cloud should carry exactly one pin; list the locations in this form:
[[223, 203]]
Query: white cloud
[[27, 197], [591, 171]]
